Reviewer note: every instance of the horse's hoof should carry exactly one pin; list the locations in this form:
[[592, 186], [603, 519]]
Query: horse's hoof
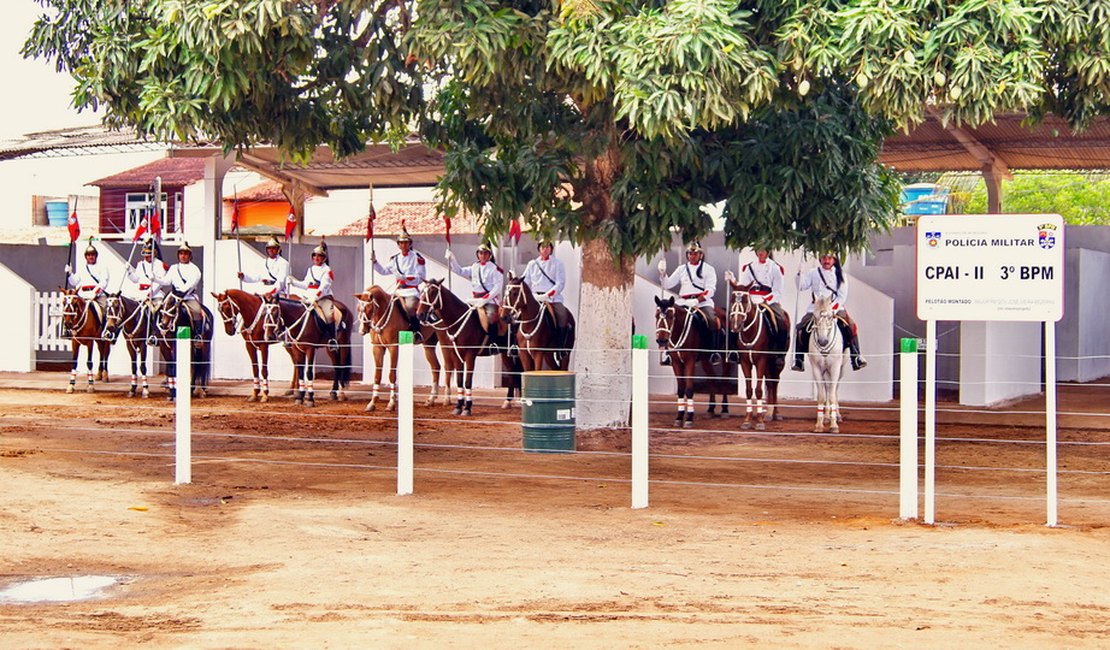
[[431, 401], [759, 426], [688, 424], [288, 393], [343, 397], [298, 402], [456, 411], [506, 404], [252, 398], [466, 412], [264, 398], [819, 429], [310, 403], [146, 394], [679, 422], [834, 429], [745, 425], [777, 417], [69, 389], [90, 389], [131, 393], [718, 415]]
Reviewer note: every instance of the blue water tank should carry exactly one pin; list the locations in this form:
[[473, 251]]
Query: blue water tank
[[924, 198], [57, 213]]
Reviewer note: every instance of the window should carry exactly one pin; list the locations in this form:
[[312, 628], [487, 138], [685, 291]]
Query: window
[[140, 205]]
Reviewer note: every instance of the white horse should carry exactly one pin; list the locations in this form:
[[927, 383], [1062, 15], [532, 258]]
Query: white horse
[[827, 359]]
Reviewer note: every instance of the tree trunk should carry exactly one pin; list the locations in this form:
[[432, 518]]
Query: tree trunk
[[603, 357]]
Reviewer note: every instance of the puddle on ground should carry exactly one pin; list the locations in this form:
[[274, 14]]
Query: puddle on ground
[[57, 590]]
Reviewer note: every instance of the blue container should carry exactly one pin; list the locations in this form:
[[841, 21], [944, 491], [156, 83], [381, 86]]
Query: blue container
[[57, 213]]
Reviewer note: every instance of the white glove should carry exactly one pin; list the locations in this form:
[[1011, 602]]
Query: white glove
[[69, 269], [449, 255], [729, 277], [662, 267], [373, 257]]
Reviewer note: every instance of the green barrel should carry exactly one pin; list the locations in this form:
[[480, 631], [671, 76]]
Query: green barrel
[[548, 411]]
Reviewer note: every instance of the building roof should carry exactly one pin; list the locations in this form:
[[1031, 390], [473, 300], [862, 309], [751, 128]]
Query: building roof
[[419, 217], [76, 141], [174, 172], [267, 191]]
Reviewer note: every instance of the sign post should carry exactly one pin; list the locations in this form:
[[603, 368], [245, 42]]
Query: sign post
[[990, 268]]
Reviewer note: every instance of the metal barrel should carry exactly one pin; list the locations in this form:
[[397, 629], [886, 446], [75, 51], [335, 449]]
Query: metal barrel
[[548, 415]]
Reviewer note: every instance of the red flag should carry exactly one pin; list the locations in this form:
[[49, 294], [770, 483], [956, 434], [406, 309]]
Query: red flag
[[74, 227], [156, 225], [290, 225], [141, 230], [447, 234], [370, 222], [235, 217], [514, 231]]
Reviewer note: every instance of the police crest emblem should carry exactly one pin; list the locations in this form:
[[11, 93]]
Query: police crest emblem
[[1046, 235]]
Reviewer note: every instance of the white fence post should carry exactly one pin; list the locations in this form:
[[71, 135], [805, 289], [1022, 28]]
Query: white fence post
[[930, 421], [907, 466], [1050, 417], [183, 409], [404, 414], [639, 421]]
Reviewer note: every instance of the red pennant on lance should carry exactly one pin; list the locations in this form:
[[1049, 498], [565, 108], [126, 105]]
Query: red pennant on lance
[[74, 227], [290, 225], [235, 217], [447, 234], [141, 230], [514, 231], [370, 222], [156, 225]]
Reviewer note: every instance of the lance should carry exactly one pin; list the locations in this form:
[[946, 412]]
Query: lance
[[370, 216], [235, 227]]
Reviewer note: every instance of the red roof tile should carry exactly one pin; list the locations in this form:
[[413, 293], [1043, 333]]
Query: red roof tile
[[175, 172], [266, 191], [420, 217]]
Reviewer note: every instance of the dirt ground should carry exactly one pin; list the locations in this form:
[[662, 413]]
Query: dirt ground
[[291, 534]]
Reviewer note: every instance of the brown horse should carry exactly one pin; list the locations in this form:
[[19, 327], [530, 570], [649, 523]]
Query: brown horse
[[257, 320], [382, 318], [534, 329], [302, 331], [763, 337], [458, 328], [133, 320], [684, 333], [86, 328], [172, 314]]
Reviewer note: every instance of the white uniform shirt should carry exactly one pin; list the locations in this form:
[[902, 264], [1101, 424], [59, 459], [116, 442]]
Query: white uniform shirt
[[691, 287], [318, 281], [486, 281], [147, 276], [823, 283], [275, 275], [183, 278], [90, 280], [766, 279], [545, 276], [408, 272]]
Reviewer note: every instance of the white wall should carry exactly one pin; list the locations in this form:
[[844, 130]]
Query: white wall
[[17, 330], [1083, 333], [999, 361]]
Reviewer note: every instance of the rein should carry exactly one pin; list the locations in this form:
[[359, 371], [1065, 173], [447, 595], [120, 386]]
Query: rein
[[511, 299], [752, 318], [662, 326]]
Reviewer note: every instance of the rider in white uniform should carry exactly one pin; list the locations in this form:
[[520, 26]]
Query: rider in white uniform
[[409, 270], [148, 273], [275, 272], [486, 281], [697, 282], [318, 282], [547, 277], [91, 281], [184, 280], [827, 280], [764, 278]]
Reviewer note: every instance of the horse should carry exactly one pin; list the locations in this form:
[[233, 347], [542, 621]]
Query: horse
[[86, 328], [827, 359], [257, 320], [135, 321], [460, 332], [382, 318], [303, 333], [534, 329], [171, 315], [688, 342], [762, 341]]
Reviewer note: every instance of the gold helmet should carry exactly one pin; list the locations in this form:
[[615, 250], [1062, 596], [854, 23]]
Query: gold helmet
[[404, 236], [484, 246], [695, 247], [273, 242], [184, 248], [321, 249], [90, 249], [148, 246]]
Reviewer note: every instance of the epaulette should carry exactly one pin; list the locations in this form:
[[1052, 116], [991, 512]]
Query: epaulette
[[419, 259]]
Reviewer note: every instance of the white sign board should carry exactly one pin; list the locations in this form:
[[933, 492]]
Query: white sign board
[[1001, 267]]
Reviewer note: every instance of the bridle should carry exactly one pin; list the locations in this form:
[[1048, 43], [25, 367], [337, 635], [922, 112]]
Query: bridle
[[822, 329], [70, 312], [366, 321], [435, 307], [514, 296], [744, 317], [664, 324]]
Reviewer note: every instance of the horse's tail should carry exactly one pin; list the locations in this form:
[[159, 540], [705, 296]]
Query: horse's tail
[[343, 365], [202, 363]]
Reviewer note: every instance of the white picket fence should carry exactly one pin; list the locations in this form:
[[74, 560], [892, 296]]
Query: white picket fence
[[48, 322]]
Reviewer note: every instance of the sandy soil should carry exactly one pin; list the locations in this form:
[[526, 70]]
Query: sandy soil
[[291, 534]]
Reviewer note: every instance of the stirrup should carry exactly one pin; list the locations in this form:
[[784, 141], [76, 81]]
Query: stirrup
[[715, 359], [514, 352], [799, 365], [733, 356], [666, 360], [333, 345], [859, 363]]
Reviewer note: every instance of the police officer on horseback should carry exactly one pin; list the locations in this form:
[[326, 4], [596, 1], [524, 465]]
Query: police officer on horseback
[[275, 272], [827, 280], [547, 277], [91, 281], [184, 280], [409, 271], [146, 275], [486, 282], [764, 278], [318, 280], [697, 282]]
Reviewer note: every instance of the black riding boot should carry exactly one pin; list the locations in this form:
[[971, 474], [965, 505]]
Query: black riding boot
[[331, 334], [715, 357], [858, 362], [414, 325], [801, 344]]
